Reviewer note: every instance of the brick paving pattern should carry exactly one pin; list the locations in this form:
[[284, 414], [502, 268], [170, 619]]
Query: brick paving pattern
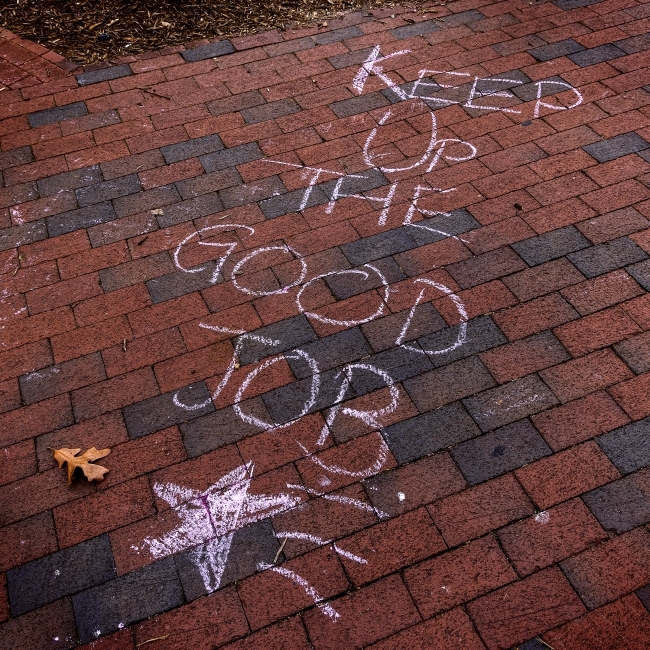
[[362, 312]]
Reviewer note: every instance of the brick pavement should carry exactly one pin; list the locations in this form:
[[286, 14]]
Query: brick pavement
[[362, 312]]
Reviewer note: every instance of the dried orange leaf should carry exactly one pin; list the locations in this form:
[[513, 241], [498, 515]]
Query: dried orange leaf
[[91, 472]]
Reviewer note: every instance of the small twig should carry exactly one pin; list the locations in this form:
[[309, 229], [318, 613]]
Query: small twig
[[156, 638], [138, 167], [544, 643], [277, 555], [15, 271], [124, 345]]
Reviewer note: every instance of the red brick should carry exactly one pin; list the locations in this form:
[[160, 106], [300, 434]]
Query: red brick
[[534, 316], [562, 188], [638, 309], [612, 569], [550, 536], [321, 568], [390, 546], [616, 196], [202, 625], [35, 328], [63, 201], [143, 352], [525, 609], [616, 224], [367, 615], [567, 474], [114, 393], [168, 314], [30, 278], [110, 305], [580, 420], [104, 511], [604, 291], [121, 640], [38, 493], [451, 631], [35, 170], [444, 582], [63, 145], [474, 512], [618, 170], [144, 455], [558, 215], [171, 173], [543, 279], [562, 164], [288, 635], [619, 124], [27, 358], [63, 293], [497, 234], [585, 375], [193, 366], [624, 623], [89, 339], [29, 421], [27, 540], [95, 155], [633, 396], [93, 260], [487, 212], [17, 461], [142, 143], [4, 598]]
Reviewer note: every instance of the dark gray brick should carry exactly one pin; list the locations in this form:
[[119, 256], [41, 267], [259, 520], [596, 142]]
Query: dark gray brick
[[69, 180], [239, 155], [200, 206], [15, 157], [291, 202], [567, 5], [250, 546], [191, 148], [550, 245], [60, 574], [330, 352], [550, 86], [634, 44], [616, 147], [606, 257], [290, 333], [641, 273], [208, 183], [356, 105], [58, 114], [398, 363], [28, 233], [442, 226], [635, 351], [153, 199], [622, 505], [259, 190], [354, 184], [336, 35], [448, 384], [595, 55], [377, 246], [160, 412], [352, 282], [105, 74], [534, 644], [236, 103], [462, 18], [180, 283], [513, 401], [223, 427], [488, 266], [416, 29], [500, 451], [108, 190], [270, 111], [61, 378], [430, 432], [382, 333], [481, 334], [357, 57], [552, 51], [208, 51], [129, 598], [130, 273], [628, 447], [288, 402], [60, 224]]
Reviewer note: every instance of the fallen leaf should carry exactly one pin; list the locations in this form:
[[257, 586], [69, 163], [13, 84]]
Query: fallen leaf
[[157, 210], [91, 472]]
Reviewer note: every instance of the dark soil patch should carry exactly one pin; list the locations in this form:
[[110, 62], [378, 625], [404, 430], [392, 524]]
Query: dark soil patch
[[86, 31]]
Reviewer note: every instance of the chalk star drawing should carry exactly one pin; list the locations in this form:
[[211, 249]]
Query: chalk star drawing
[[211, 518]]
